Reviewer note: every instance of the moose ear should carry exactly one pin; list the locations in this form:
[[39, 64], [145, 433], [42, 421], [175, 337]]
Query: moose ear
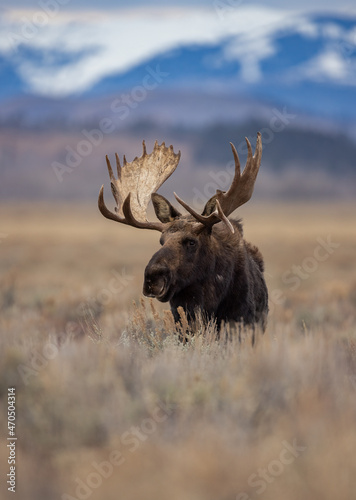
[[165, 212], [210, 206]]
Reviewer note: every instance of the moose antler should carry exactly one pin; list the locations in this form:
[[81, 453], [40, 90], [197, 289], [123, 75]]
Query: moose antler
[[222, 204], [135, 183]]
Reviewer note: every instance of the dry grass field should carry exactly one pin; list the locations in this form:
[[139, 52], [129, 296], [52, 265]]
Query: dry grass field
[[110, 405]]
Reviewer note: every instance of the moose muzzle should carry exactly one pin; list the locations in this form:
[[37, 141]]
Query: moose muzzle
[[157, 283], [158, 276]]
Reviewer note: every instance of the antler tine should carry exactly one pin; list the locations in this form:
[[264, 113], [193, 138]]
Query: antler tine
[[118, 166], [112, 179], [111, 173], [253, 161], [200, 218], [223, 217], [237, 161], [208, 221], [130, 219], [243, 184], [104, 209]]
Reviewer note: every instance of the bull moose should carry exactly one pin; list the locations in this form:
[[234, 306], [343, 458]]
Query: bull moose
[[204, 264]]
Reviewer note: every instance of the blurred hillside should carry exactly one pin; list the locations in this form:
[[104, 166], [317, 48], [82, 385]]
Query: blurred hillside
[[64, 104]]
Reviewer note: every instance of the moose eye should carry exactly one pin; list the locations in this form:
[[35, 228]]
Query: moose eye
[[190, 243]]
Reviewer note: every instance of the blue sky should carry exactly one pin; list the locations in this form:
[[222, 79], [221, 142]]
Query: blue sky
[[100, 41]]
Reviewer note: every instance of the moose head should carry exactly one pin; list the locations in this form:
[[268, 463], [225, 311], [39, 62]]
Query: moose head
[[204, 264]]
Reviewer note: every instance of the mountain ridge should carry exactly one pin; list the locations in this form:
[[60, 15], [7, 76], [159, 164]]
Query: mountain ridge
[[313, 72]]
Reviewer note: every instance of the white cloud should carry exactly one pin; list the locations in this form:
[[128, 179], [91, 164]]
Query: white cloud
[[120, 40], [328, 65], [251, 47], [332, 65], [307, 29], [332, 30], [102, 43]]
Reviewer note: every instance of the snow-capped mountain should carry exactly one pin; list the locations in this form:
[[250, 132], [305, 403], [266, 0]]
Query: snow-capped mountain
[[304, 62], [194, 78]]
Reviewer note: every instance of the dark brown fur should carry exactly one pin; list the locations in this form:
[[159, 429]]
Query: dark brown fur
[[208, 270]]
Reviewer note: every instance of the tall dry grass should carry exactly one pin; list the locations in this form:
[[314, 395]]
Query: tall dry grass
[[111, 405]]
